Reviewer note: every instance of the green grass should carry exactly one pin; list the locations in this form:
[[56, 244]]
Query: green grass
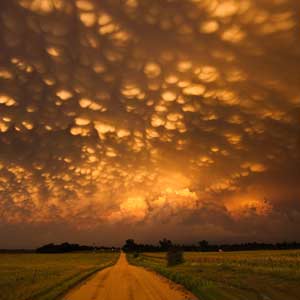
[[253, 275], [47, 276]]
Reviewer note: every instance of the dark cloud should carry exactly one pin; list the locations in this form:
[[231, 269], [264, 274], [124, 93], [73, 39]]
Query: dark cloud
[[178, 113]]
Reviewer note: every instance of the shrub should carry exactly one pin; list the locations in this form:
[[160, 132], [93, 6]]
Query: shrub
[[174, 257]]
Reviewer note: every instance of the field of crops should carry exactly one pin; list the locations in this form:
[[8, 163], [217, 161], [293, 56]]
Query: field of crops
[[256, 275], [46, 276]]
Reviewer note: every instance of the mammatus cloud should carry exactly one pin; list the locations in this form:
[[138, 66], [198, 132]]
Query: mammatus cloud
[[157, 115]]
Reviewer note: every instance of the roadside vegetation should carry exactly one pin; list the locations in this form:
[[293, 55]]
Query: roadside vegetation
[[47, 276], [247, 275]]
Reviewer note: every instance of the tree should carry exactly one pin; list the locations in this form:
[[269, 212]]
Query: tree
[[203, 245], [165, 244], [130, 246], [174, 256]]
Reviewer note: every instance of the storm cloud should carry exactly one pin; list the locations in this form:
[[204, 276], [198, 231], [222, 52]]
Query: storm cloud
[[177, 118]]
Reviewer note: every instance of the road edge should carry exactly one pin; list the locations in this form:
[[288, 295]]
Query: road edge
[[167, 275]]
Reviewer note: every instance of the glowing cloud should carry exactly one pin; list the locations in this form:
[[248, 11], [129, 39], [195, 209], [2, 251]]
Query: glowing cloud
[[162, 113]]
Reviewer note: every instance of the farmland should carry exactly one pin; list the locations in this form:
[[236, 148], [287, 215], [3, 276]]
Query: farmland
[[47, 276], [256, 275]]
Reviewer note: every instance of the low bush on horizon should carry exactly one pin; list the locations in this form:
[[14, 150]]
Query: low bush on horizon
[[248, 275], [47, 276]]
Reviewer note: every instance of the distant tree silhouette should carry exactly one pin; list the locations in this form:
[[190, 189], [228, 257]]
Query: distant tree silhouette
[[66, 247], [62, 248], [203, 245], [130, 246], [165, 244]]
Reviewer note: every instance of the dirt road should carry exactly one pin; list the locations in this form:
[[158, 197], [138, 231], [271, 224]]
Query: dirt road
[[127, 282]]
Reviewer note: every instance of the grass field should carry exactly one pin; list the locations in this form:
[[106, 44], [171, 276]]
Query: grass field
[[256, 275], [46, 276]]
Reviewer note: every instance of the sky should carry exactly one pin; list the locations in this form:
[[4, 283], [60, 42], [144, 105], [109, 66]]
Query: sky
[[149, 119]]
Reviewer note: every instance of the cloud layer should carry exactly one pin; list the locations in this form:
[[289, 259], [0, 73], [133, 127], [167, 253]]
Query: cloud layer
[[166, 117]]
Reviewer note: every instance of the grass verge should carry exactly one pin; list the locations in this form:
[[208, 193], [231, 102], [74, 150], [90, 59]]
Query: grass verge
[[48, 276], [255, 275]]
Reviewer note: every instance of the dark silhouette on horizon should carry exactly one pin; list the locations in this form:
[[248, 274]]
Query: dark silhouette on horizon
[[66, 247], [204, 246], [162, 246]]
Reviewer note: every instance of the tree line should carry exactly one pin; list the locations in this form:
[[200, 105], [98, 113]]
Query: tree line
[[166, 244], [66, 247], [204, 246]]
